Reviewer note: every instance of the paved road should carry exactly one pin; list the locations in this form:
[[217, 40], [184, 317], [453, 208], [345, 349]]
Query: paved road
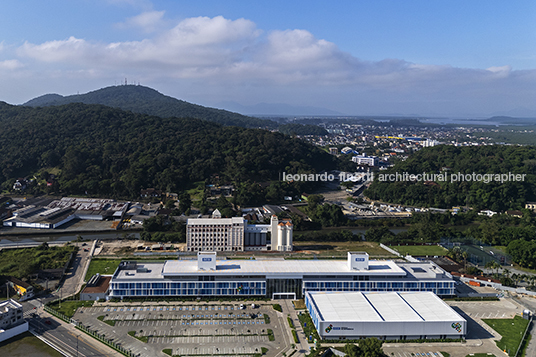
[[74, 276], [530, 303], [303, 346], [65, 337]]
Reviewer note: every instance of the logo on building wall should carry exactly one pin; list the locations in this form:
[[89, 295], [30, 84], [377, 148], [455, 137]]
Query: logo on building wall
[[207, 259], [329, 328], [457, 326], [359, 259]]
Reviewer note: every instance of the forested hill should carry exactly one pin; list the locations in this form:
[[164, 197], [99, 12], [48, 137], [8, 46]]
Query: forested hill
[[452, 160], [110, 152], [144, 100]]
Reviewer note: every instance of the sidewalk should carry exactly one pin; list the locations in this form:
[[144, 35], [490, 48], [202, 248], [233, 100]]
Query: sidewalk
[[303, 346]]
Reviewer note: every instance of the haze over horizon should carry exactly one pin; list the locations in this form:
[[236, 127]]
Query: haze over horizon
[[454, 58]]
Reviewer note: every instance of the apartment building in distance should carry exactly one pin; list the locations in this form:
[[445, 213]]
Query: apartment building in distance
[[236, 235]]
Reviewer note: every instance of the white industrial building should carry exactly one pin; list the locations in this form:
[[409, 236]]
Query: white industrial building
[[384, 315], [59, 212], [235, 234]]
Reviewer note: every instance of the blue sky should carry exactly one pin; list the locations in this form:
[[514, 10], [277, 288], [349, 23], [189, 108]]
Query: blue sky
[[445, 58]]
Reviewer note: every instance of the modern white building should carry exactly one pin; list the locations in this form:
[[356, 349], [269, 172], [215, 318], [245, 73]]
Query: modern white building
[[275, 278], [235, 234], [365, 160], [385, 315]]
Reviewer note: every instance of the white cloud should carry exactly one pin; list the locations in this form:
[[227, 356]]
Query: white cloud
[[10, 64], [148, 21], [235, 53]]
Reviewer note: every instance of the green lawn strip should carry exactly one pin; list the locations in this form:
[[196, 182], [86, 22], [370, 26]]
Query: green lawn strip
[[308, 326], [69, 307], [168, 351], [290, 322], [479, 355], [271, 336], [102, 266], [109, 322], [295, 335], [266, 318], [277, 307], [419, 250], [264, 350], [526, 342], [511, 331], [445, 354], [141, 338]]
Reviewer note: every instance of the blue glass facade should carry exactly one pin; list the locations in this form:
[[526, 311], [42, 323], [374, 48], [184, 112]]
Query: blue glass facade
[[198, 288], [258, 288], [441, 288]]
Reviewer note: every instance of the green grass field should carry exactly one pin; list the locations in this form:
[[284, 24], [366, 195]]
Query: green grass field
[[25, 261], [420, 250], [337, 249], [25, 345], [102, 266], [511, 331], [68, 308]]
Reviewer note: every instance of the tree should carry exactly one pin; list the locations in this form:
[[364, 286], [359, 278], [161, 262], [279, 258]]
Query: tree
[[371, 347], [379, 234], [185, 202], [352, 350]]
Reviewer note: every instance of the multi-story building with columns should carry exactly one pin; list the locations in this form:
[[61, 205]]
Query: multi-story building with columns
[[235, 234]]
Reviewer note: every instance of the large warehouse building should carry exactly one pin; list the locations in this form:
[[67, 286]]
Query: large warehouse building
[[275, 278], [385, 315]]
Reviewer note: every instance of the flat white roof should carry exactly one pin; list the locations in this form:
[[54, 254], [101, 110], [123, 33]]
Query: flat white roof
[[382, 306], [290, 266], [214, 221]]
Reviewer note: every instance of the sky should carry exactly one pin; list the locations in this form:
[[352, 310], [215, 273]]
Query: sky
[[360, 57]]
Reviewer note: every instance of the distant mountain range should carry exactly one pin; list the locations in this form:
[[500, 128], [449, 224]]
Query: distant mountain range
[[274, 109], [145, 100]]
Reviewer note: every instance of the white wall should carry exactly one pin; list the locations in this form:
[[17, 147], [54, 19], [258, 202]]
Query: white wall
[[393, 329], [12, 332]]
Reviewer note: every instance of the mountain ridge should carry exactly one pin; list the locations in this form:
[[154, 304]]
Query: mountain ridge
[[108, 152], [146, 100]]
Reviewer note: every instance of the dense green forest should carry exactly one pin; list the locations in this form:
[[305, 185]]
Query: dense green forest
[[144, 100], [101, 151], [452, 160], [299, 129]]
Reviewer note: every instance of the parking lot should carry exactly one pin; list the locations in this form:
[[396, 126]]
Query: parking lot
[[201, 329], [480, 337]]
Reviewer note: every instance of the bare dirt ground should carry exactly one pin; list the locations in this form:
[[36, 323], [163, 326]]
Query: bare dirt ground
[[129, 247]]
